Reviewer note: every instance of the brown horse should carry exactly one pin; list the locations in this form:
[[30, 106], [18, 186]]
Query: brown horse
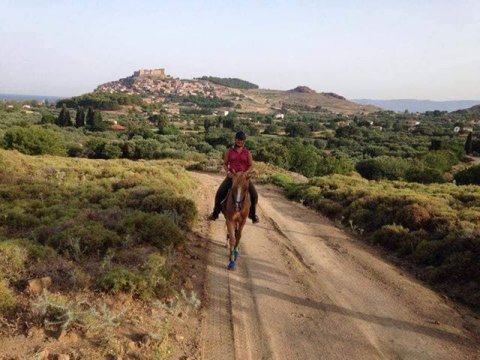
[[236, 209]]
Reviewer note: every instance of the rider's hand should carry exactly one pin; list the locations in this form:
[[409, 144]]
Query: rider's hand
[[229, 174]]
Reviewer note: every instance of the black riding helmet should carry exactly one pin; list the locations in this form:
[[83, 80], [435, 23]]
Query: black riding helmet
[[240, 135]]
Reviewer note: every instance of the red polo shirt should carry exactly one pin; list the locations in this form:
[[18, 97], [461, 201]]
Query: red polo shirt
[[238, 161]]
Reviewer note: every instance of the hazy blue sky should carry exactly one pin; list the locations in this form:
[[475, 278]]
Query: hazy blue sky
[[426, 49]]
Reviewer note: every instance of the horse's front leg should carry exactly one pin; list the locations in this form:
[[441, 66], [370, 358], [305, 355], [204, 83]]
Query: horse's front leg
[[238, 233], [232, 240]]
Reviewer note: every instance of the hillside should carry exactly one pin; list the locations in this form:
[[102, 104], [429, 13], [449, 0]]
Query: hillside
[[263, 100], [88, 268], [474, 109], [156, 89]]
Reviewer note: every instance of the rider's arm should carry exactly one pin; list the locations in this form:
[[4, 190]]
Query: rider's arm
[[225, 162]]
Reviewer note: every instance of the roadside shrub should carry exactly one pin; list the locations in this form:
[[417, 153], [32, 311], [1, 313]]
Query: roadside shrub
[[329, 208], [7, 298], [87, 238], [155, 272], [158, 230], [17, 254], [428, 252], [281, 180], [362, 218], [185, 208], [460, 266], [120, 279], [413, 216], [13, 257], [391, 236]]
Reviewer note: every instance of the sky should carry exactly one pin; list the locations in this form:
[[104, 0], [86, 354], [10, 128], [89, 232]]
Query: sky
[[386, 49]]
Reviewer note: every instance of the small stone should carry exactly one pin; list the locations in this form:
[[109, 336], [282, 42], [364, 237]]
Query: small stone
[[179, 338], [36, 286], [194, 276], [188, 285], [61, 334], [131, 345], [43, 355], [63, 357], [35, 332]]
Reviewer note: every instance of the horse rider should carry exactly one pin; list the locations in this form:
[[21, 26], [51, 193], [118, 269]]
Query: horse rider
[[237, 158]]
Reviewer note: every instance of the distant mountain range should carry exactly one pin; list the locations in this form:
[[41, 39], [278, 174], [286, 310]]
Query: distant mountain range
[[18, 97], [413, 105]]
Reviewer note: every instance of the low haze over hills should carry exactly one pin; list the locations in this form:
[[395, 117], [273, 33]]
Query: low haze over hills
[[18, 97], [413, 105]]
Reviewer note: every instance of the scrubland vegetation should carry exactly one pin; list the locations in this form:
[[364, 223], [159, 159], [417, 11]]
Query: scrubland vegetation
[[389, 177], [92, 227]]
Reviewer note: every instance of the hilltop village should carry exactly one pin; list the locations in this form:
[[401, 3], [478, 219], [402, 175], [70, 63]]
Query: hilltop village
[[154, 85]]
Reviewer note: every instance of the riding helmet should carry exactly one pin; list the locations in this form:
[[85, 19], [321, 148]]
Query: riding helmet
[[240, 135]]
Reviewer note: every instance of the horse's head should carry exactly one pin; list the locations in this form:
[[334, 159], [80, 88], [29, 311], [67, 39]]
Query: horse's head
[[240, 182]]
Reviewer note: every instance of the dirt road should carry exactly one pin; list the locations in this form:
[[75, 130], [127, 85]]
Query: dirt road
[[304, 289]]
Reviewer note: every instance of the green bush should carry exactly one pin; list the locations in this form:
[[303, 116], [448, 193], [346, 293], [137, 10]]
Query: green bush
[[383, 167], [121, 279], [155, 272], [183, 207], [17, 254], [391, 236], [13, 258], [423, 174], [329, 208], [441, 160], [7, 298], [155, 229], [34, 140], [468, 176], [330, 164], [303, 159], [83, 239], [274, 153]]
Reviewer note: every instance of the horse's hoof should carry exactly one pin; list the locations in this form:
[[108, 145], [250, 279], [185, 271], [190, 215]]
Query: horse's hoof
[[236, 253], [232, 265]]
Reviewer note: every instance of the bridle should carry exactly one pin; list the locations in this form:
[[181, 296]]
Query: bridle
[[238, 203]]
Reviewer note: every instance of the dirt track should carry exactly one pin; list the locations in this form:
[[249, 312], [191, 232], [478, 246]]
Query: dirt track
[[304, 289]]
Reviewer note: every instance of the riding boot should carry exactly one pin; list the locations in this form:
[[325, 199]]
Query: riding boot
[[219, 197], [253, 205]]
